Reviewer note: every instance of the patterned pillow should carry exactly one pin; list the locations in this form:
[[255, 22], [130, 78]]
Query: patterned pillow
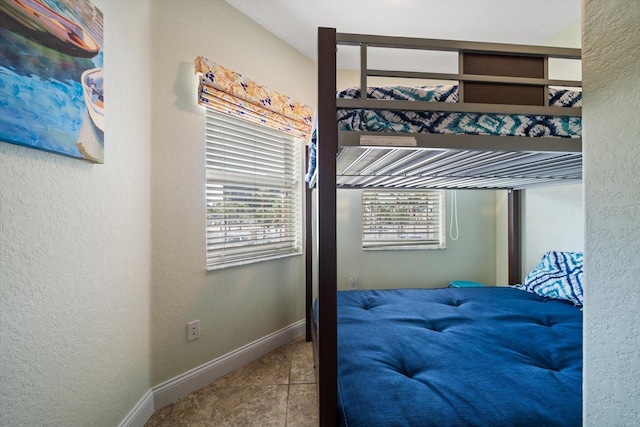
[[558, 275]]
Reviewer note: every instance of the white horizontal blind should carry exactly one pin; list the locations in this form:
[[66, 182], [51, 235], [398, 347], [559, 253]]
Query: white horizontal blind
[[403, 219], [253, 192]]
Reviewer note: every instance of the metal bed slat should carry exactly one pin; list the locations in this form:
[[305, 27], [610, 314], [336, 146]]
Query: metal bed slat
[[528, 163], [383, 167], [386, 156], [492, 162], [464, 160]]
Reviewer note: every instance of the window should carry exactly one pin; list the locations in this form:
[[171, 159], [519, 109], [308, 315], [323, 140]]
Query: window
[[254, 192], [396, 219]]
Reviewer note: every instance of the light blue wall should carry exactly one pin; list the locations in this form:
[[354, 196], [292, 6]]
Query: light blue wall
[[471, 257], [553, 220], [238, 305]]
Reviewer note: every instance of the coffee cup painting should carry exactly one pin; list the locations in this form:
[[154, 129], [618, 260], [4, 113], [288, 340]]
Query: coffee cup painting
[[51, 82]]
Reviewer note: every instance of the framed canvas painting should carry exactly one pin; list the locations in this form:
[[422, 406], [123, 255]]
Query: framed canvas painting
[[51, 83]]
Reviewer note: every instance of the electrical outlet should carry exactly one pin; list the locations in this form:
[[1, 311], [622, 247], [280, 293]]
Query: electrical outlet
[[353, 282], [193, 330]]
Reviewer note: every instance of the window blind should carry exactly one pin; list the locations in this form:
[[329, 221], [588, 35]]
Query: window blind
[[403, 219], [253, 192]]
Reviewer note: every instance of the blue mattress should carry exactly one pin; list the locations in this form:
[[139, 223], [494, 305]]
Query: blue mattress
[[458, 357]]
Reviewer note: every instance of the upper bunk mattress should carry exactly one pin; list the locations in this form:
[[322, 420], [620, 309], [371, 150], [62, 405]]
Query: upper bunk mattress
[[455, 123], [492, 356]]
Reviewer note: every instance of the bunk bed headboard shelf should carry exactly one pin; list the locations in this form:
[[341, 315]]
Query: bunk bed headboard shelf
[[521, 66], [524, 133]]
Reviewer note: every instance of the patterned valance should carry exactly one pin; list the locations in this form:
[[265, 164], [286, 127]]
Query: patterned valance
[[229, 92]]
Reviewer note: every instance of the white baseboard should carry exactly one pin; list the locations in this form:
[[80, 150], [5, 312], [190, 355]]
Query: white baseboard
[[140, 413], [178, 387]]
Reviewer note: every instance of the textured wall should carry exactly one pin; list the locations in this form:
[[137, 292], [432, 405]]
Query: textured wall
[[611, 79], [75, 257], [238, 305]]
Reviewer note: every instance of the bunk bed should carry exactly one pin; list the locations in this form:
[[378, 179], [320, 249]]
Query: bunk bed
[[495, 81]]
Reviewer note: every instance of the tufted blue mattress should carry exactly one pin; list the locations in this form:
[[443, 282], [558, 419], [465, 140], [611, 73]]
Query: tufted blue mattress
[[491, 356]]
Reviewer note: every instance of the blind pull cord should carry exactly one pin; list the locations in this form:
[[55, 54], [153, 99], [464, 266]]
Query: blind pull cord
[[454, 215]]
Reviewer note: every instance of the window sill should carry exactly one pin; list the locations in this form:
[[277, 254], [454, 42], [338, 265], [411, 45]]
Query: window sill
[[251, 261]]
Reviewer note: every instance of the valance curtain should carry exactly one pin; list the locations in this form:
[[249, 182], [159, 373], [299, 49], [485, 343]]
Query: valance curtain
[[226, 91]]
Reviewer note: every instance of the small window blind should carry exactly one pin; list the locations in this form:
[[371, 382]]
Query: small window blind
[[254, 192], [403, 219]]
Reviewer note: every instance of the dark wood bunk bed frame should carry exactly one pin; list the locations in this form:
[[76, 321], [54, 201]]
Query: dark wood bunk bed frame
[[483, 67]]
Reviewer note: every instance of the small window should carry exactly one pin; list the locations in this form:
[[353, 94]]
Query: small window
[[254, 192], [394, 219]]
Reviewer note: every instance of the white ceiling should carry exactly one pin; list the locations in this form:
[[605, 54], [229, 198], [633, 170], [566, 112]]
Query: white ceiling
[[502, 21]]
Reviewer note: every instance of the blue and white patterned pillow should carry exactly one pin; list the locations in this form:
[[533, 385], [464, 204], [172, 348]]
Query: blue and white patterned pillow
[[558, 275]]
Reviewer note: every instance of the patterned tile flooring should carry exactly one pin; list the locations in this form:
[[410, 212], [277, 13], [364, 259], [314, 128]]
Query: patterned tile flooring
[[277, 389]]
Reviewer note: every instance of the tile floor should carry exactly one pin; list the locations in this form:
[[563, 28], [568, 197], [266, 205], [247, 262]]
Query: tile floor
[[277, 389]]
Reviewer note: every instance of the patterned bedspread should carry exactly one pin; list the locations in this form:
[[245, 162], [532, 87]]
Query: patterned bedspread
[[450, 122], [456, 123], [458, 357]]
